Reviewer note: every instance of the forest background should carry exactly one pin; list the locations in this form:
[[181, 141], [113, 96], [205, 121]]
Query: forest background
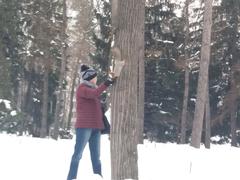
[[43, 43]]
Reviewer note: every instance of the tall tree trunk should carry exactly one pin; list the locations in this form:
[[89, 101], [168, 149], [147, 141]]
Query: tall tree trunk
[[186, 80], [20, 97], [207, 120], [233, 113], [23, 93], [185, 107], [233, 126], [28, 97], [203, 76], [43, 130], [59, 103], [70, 114], [124, 115], [5, 80], [233, 78], [27, 100]]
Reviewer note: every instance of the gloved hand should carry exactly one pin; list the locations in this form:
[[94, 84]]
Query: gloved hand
[[110, 81]]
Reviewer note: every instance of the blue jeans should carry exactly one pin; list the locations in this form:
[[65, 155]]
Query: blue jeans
[[84, 136]]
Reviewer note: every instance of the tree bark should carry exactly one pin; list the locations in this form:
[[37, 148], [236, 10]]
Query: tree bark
[[43, 130], [207, 120], [233, 113], [141, 89], [233, 77], [203, 76], [185, 107], [59, 103], [186, 80], [23, 95], [124, 115], [233, 126], [70, 114], [5, 80]]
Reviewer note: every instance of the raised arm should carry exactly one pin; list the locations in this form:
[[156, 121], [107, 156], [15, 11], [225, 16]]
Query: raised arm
[[91, 93]]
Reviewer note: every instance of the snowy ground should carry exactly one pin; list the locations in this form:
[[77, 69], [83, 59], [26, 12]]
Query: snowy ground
[[25, 158]]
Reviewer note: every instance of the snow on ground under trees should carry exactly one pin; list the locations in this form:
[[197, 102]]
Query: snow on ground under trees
[[26, 158]]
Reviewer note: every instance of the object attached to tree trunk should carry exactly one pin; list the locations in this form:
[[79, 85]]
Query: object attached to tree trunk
[[118, 63], [118, 67]]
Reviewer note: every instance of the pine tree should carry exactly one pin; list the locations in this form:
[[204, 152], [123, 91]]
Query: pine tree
[[10, 31], [163, 80], [102, 37], [233, 14], [42, 52], [59, 102], [222, 67]]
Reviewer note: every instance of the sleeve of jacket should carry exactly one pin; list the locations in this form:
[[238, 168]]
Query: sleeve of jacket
[[90, 93]]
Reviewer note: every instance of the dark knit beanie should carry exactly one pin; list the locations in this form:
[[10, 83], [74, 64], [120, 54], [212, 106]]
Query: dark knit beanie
[[87, 73]]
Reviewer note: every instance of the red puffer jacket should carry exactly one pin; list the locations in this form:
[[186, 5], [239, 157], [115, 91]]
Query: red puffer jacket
[[89, 112]]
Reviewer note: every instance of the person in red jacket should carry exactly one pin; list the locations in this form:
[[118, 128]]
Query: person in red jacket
[[89, 121]]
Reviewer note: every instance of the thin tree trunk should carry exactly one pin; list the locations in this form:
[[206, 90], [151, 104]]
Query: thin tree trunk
[[233, 126], [5, 80], [207, 121], [124, 115], [203, 76], [233, 113], [20, 96], [235, 62], [185, 107], [70, 115], [186, 80], [24, 92], [28, 100], [59, 103], [43, 130], [27, 103]]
